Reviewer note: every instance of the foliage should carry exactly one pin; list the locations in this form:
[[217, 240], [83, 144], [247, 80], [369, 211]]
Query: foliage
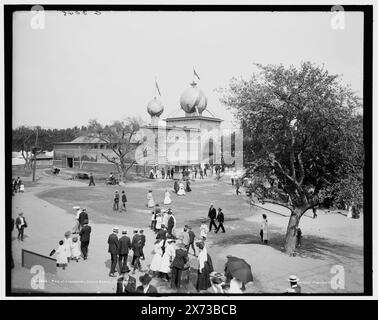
[[302, 134]]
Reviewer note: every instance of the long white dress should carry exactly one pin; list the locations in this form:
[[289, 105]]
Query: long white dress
[[181, 191], [165, 219], [168, 257], [75, 250], [67, 247], [157, 258], [61, 254], [167, 198], [151, 202], [159, 221]]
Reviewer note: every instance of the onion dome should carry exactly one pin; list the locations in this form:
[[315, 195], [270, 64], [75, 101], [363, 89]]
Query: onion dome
[[193, 98], [155, 108]]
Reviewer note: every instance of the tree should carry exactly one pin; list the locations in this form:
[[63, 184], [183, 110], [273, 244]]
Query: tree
[[302, 137], [25, 139], [122, 138]]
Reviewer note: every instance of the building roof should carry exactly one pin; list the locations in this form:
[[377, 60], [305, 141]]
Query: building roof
[[196, 117], [83, 139]]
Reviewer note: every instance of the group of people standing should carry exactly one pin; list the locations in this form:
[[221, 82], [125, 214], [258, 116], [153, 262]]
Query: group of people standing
[[180, 188], [72, 248], [17, 185], [119, 249], [117, 198]]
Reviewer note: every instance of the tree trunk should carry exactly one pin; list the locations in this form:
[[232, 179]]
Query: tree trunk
[[291, 232]]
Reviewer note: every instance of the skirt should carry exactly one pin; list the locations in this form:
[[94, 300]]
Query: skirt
[[203, 280]]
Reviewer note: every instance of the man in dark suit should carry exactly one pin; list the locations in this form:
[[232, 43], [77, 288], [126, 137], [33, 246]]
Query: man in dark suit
[[142, 238], [137, 252], [146, 287], [134, 241], [171, 222], [113, 250], [21, 225], [83, 216], [84, 239], [212, 216], [178, 264], [220, 219], [126, 284], [123, 250]]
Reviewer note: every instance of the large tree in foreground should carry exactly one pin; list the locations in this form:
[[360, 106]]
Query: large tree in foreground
[[123, 139], [303, 138]]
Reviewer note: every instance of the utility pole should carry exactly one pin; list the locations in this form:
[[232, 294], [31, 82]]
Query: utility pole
[[35, 155]]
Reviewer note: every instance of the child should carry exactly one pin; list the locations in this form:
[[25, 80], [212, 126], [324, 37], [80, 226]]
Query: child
[[299, 237], [153, 220], [204, 229], [61, 255], [75, 249]]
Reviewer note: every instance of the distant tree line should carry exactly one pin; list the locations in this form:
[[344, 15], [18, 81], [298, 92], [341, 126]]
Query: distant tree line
[[24, 138]]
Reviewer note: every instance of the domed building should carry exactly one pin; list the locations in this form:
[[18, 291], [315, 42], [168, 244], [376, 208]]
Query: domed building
[[184, 141]]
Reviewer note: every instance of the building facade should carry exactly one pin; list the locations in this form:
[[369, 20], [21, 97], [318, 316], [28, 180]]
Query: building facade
[[177, 142]]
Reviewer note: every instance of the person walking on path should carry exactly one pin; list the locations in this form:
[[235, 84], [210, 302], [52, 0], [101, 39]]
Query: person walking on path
[[157, 257], [137, 252], [171, 222], [75, 250], [205, 267], [124, 200], [91, 180], [185, 238], [237, 186], [142, 238], [299, 237], [168, 249], [150, 199], [83, 216], [116, 201], [220, 219], [204, 229], [264, 229], [192, 236], [76, 228], [212, 216], [61, 255], [67, 244], [113, 244], [21, 225], [85, 236], [123, 249], [167, 198], [178, 265]]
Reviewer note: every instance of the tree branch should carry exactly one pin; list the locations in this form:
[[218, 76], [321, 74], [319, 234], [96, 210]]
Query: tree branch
[[291, 208], [301, 168]]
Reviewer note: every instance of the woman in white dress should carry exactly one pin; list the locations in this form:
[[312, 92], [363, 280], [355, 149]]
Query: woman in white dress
[[159, 221], [150, 199], [167, 197], [67, 244], [61, 255], [181, 191], [156, 259], [168, 256]]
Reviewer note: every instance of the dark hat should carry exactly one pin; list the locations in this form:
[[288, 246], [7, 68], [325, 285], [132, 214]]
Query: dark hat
[[200, 244], [293, 279], [124, 231], [125, 269], [145, 279]]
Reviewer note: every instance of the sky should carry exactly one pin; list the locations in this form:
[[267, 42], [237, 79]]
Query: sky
[[103, 66]]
